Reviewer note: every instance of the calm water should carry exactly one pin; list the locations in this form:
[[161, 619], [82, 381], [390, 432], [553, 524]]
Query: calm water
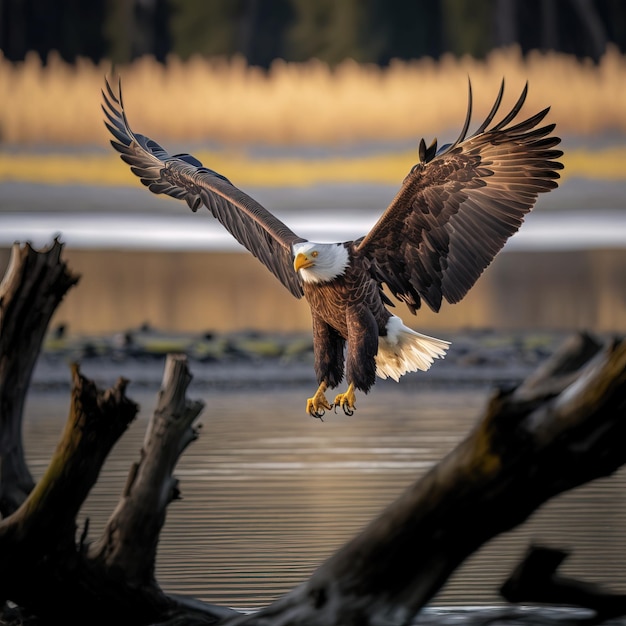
[[192, 291], [269, 493]]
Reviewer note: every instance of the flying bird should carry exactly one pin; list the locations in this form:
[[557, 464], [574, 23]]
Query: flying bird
[[455, 210]]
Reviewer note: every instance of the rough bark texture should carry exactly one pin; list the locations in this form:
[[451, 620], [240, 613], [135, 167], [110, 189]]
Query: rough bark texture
[[130, 540], [43, 566], [33, 286]]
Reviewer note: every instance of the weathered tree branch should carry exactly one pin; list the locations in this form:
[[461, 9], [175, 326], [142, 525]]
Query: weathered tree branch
[[535, 581], [42, 563], [132, 534], [560, 369], [33, 286], [96, 421]]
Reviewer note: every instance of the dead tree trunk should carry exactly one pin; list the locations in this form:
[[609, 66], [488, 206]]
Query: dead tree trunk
[[32, 288], [43, 566], [131, 537]]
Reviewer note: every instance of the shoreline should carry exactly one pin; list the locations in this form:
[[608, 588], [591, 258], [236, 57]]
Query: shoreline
[[233, 362]]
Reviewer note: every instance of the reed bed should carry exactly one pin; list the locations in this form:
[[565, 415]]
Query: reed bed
[[226, 102]]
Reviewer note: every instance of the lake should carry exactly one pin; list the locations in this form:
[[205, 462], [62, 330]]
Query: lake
[[269, 493]]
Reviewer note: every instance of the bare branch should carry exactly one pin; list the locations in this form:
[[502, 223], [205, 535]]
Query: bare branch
[[131, 537], [33, 286]]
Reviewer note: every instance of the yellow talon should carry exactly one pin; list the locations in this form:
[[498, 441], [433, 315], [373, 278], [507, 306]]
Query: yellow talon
[[318, 404], [347, 401]]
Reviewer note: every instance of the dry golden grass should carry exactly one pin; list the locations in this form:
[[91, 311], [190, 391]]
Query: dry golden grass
[[228, 102], [101, 169]]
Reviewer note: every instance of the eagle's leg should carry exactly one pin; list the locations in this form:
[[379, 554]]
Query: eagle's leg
[[347, 400], [318, 404]]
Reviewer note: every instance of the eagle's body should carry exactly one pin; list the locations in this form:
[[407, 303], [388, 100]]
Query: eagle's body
[[347, 308], [455, 210]]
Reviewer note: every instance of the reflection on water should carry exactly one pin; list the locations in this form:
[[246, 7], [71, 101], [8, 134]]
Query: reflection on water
[[221, 291], [269, 493]]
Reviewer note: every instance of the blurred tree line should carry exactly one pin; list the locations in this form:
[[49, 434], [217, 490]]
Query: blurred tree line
[[369, 31]]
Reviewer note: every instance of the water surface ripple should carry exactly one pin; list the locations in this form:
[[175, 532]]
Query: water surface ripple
[[269, 493]]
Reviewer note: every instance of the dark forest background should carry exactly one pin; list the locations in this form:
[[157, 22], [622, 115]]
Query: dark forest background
[[368, 31]]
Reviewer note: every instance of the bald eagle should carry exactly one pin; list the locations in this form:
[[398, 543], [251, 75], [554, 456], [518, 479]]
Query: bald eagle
[[455, 210]]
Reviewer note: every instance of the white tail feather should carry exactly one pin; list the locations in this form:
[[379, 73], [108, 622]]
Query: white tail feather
[[404, 350]]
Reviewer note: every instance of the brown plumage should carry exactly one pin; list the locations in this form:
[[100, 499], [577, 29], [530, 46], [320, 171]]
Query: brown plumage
[[453, 213]]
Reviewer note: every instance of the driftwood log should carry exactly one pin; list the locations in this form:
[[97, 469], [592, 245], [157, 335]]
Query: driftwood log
[[33, 286], [563, 426]]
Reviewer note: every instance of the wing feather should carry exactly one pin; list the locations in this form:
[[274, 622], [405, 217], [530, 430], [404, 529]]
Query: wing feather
[[183, 177], [458, 206]]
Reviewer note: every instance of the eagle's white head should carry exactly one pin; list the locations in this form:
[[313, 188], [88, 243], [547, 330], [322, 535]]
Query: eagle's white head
[[319, 262]]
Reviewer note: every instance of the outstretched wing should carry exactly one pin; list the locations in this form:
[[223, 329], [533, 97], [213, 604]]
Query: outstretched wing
[[182, 176], [457, 207]]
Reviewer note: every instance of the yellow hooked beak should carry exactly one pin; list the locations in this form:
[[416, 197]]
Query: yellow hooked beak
[[302, 262]]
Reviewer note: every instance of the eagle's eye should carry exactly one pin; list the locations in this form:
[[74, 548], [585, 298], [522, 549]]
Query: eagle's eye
[[314, 254]]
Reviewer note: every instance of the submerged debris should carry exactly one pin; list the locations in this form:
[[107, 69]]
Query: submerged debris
[[238, 359]]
